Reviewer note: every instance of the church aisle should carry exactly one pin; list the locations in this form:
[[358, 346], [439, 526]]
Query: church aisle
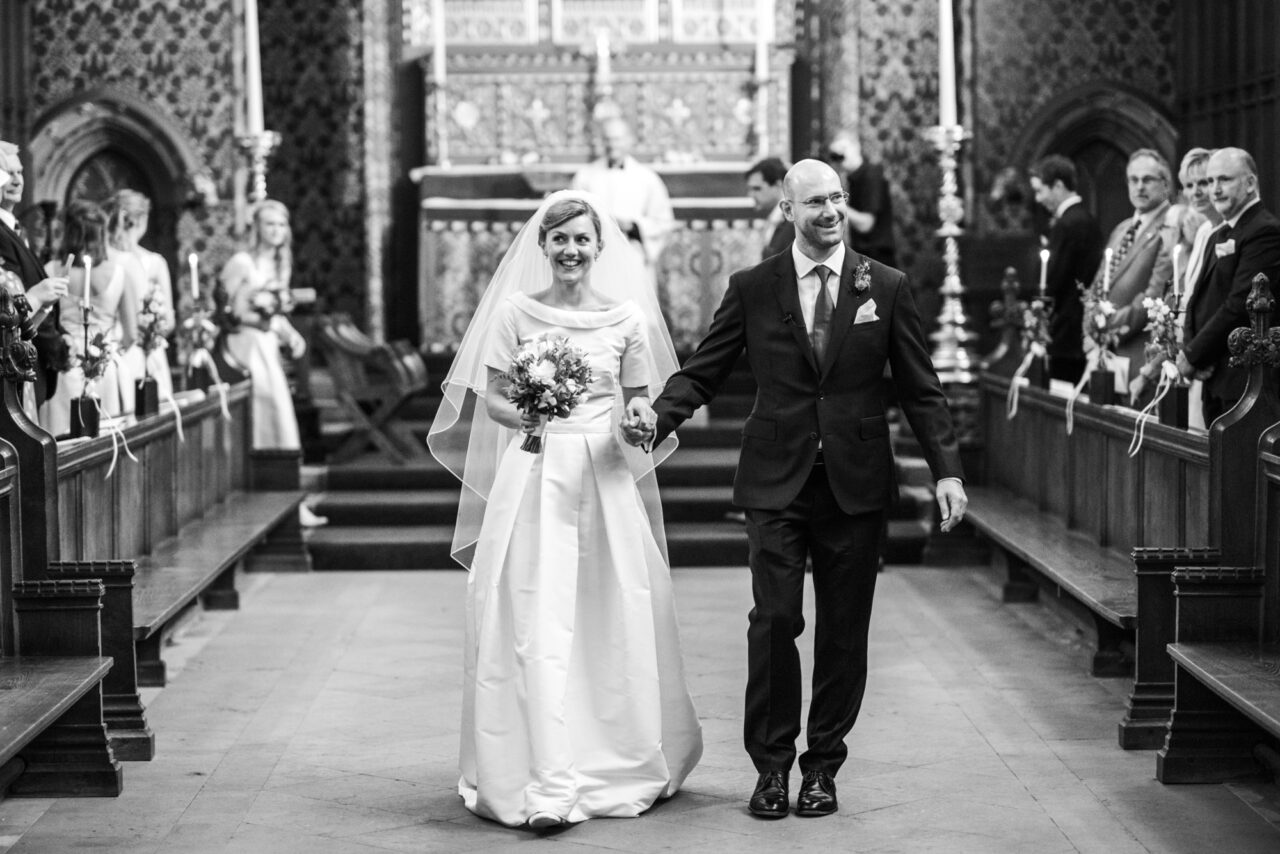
[[322, 717]]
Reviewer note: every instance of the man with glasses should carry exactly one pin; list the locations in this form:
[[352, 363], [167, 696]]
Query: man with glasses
[[819, 323]]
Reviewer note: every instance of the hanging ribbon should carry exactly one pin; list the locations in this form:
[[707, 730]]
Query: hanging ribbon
[[115, 431], [177, 414], [1098, 359], [1169, 377], [1037, 351], [202, 358]]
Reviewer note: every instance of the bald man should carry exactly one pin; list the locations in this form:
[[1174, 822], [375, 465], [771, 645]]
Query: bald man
[[819, 324], [1245, 244]]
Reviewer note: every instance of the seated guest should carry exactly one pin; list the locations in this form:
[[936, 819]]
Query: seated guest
[[1247, 243], [1140, 265], [127, 217], [113, 311], [764, 186], [1075, 250]]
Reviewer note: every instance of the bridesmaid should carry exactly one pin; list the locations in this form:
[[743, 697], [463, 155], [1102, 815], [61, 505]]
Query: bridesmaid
[[127, 218]]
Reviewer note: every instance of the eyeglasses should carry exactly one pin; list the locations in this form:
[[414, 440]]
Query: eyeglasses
[[816, 202]]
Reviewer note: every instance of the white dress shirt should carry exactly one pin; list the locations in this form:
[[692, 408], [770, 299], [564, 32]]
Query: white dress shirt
[[807, 279]]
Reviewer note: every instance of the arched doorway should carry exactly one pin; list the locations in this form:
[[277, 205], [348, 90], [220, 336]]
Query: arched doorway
[[1097, 126], [93, 144]]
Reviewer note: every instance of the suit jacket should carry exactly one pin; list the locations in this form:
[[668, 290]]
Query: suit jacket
[[1144, 271], [1217, 305], [843, 400], [1075, 250], [781, 238], [51, 349]]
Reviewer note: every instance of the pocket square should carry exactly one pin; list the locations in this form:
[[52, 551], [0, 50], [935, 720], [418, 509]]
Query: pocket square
[[1225, 248], [866, 313]]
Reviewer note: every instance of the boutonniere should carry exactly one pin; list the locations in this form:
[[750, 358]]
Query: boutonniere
[[1225, 248], [862, 277]]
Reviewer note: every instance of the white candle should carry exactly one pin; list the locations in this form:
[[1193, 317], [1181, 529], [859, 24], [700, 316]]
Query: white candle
[[1044, 270], [193, 261], [1106, 271], [437, 41], [253, 71], [946, 66], [604, 65], [764, 12], [1177, 252], [88, 272]]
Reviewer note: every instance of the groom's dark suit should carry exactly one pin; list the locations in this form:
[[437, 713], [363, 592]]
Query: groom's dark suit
[[800, 503], [17, 258]]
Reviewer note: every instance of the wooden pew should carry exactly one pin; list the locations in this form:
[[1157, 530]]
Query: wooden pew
[[53, 736], [373, 382], [1226, 650]]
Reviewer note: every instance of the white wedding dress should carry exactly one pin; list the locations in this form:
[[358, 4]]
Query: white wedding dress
[[575, 700]]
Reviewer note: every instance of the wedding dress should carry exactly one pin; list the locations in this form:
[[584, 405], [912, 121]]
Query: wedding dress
[[575, 701]]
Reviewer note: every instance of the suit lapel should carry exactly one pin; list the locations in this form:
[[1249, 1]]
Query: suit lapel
[[787, 293], [1149, 232]]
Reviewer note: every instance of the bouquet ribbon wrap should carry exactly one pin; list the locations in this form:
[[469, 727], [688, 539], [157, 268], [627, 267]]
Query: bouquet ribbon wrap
[[202, 358], [1169, 377], [1099, 359], [1036, 351]]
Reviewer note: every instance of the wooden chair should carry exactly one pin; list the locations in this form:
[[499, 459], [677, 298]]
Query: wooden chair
[[372, 383]]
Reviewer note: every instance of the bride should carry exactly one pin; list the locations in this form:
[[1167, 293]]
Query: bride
[[574, 701]]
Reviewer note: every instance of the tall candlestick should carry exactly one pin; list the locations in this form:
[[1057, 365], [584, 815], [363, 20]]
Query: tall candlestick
[[88, 272], [764, 11], [604, 63], [1106, 271], [253, 71], [193, 261], [437, 41], [946, 66], [1177, 285]]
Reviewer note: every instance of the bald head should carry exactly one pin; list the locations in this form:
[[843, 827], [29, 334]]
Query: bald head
[[805, 173], [1233, 181], [11, 180], [813, 198], [9, 161]]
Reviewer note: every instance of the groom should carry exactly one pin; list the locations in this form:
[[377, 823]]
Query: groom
[[818, 323]]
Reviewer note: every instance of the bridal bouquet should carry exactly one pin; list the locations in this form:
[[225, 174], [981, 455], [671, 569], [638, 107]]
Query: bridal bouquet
[[549, 377]]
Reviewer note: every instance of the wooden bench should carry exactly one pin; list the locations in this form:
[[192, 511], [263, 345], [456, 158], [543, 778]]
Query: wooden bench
[[1070, 563], [372, 382]]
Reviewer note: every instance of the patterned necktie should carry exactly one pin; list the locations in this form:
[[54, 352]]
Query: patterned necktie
[[1123, 249], [822, 308]]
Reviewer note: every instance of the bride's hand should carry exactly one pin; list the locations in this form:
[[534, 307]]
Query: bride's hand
[[529, 421], [639, 422]]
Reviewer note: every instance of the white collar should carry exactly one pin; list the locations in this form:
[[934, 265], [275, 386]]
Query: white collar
[[806, 265], [1231, 223], [1073, 199], [7, 217], [1144, 219]]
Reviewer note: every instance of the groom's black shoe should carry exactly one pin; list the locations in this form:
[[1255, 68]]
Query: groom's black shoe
[[817, 795], [770, 799]]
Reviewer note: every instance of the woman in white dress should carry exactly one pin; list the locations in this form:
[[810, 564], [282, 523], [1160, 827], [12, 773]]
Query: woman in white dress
[[112, 310], [255, 282], [575, 703], [128, 212]]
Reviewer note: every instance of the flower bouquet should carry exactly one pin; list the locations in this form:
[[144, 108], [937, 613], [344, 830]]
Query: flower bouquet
[[1164, 325], [548, 377], [1098, 373], [1035, 337], [147, 393], [86, 414]]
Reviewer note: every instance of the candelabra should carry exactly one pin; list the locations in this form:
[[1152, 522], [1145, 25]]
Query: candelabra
[[951, 357], [258, 147]]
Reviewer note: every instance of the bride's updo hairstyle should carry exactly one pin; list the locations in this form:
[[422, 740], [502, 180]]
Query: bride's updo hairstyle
[[563, 211]]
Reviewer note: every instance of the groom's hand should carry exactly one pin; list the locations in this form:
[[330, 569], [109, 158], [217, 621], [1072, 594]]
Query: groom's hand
[[952, 502]]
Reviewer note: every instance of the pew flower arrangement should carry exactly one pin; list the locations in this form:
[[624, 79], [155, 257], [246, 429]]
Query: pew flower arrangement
[[100, 352], [149, 337], [549, 377], [1035, 345], [1101, 338], [1164, 327]]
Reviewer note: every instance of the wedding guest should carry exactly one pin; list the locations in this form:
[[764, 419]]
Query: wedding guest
[[869, 211], [1246, 244], [253, 290], [764, 186], [1140, 265], [113, 312], [127, 217], [630, 192], [1075, 250]]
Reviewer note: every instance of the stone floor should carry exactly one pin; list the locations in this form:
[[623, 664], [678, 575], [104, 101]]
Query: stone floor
[[322, 717]]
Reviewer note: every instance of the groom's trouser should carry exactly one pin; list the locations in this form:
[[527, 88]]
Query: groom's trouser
[[845, 552]]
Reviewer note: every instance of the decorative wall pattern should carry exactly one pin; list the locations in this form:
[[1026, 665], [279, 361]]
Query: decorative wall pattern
[[313, 82], [1029, 51]]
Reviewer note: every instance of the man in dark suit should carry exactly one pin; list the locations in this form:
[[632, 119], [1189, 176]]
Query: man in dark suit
[[1075, 250], [42, 291], [764, 186], [818, 323], [869, 211], [1246, 244]]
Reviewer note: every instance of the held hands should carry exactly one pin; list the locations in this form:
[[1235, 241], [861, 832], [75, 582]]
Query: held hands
[[638, 422], [952, 502]]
